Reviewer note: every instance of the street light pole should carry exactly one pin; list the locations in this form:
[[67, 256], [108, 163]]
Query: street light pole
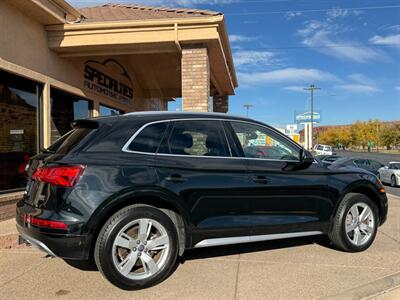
[[312, 88], [247, 106]]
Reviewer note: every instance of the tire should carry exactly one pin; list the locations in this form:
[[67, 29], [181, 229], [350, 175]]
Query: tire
[[393, 182], [346, 218], [125, 259]]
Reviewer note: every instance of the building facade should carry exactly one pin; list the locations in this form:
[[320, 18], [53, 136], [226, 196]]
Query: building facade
[[59, 63]]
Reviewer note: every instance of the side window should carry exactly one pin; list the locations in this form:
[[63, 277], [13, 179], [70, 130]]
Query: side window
[[260, 142], [197, 137], [320, 147], [375, 164], [360, 162], [149, 138]]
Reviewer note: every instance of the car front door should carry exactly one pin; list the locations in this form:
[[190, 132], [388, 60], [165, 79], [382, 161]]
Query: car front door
[[195, 164], [283, 198]]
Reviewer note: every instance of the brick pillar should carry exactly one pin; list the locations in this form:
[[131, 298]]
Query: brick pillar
[[195, 79], [220, 103]]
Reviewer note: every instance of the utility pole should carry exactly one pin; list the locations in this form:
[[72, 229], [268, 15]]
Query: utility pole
[[247, 107], [312, 88]]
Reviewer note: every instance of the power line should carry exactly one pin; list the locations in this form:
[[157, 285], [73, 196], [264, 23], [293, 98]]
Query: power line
[[311, 10]]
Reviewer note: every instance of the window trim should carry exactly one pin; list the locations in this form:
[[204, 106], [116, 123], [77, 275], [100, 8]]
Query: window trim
[[125, 148]]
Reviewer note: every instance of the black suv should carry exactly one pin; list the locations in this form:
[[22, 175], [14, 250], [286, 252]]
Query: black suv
[[133, 192]]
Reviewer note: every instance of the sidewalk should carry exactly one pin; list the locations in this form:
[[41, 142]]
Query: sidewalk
[[304, 268]]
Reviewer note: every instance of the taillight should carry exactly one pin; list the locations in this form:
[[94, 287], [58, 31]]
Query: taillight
[[44, 223], [65, 176]]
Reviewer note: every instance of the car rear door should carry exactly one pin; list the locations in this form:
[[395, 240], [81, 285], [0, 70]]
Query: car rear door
[[196, 168], [283, 199]]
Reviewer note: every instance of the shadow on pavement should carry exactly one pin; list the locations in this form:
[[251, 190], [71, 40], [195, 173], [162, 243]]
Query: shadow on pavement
[[219, 251]]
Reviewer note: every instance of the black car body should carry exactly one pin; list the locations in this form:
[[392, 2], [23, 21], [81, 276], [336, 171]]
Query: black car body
[[192, 165], [327, 160]]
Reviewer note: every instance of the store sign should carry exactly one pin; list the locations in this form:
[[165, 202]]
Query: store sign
[[306, 117], [109, 79]]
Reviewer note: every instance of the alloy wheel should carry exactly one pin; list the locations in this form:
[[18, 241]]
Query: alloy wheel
[[360, 224], [141, 249]]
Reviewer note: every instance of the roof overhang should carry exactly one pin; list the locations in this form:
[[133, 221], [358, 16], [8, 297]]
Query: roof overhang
[[149, 36], [48, 11]]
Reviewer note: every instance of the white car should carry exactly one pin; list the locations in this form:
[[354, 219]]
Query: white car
[[390, 173], [323, 149]]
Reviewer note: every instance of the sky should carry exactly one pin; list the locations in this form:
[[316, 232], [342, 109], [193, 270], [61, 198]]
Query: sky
[[348, 48]]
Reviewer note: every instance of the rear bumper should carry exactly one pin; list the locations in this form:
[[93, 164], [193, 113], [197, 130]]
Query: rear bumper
[[34, 242], [63, 245]]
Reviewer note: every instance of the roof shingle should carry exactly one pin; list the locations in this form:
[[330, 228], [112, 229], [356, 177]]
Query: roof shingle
[[124, 12]]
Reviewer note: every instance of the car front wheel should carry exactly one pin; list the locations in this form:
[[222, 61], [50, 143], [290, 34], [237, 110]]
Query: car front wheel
[[393, 182], [355, 223], [137, 247]]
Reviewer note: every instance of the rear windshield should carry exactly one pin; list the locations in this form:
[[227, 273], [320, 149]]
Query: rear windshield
[[70, 140]]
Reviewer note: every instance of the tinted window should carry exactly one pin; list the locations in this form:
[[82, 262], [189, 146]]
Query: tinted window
[[70, 140], [360, 162], [395, 166], [200, 138], [260, 142], [149, 138], [319, 147], [375, 164], [18, 129]]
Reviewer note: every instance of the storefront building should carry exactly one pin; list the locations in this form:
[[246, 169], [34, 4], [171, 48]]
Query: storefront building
[[59, 63]]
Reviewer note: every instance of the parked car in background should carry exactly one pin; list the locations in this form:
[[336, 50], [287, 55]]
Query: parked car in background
[[320, 149], [133, 192], [367, 164], [326, 160], [390, 174]]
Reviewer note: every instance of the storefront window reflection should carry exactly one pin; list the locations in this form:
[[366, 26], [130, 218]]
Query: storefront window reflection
[[18, 130], [108, 111], [66, 108]]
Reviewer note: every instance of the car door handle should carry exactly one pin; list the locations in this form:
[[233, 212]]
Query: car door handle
[[175, 178], [260, 179]]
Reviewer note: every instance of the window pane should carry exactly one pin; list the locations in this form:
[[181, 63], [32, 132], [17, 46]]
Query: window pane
[[200, 138], [259, 142], [149, 138], [66, 108], [108, 111], [71, 140], [18, 130]]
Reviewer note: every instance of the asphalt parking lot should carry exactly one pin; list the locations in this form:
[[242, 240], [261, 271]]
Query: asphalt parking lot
[[306, 268]]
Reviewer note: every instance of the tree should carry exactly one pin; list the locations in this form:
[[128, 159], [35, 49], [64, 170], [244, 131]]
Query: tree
[[390, 135]]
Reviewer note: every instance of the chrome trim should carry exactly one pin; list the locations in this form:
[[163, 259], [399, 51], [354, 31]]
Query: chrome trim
[[36, 243], [252, 238], [125, 147]]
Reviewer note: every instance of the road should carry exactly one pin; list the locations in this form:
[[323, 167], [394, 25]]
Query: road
[[381, 157], [303, 268]]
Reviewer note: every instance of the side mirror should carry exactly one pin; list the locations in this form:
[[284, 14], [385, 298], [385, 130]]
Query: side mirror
[[306, 157], [386, 167]]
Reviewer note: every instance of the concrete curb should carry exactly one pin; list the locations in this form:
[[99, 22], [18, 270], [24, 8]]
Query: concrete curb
[[393, 196], [371, 289]]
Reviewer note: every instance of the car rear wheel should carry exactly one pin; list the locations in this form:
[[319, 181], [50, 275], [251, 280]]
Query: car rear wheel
[[355, 223], [137, 247], [393, 182]]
